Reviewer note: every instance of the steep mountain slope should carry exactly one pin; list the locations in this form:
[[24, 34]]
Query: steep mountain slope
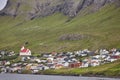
[[39, 8], [58, 32]]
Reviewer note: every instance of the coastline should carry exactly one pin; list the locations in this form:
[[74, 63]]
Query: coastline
[[79, 75]]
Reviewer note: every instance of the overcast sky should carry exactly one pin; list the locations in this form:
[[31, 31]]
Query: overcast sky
[[2, 4]]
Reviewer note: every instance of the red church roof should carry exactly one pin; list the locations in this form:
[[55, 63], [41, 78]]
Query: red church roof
[[24, 50]]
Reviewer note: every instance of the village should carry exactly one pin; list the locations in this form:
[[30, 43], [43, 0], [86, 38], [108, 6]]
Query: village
[[77, 59]]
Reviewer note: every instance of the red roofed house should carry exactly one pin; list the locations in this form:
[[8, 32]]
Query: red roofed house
[[25, 52]]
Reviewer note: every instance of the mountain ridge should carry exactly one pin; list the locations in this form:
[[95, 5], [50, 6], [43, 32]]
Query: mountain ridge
[[40, 8]]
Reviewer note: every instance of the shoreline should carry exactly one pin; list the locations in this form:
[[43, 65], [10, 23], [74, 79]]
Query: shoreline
[[99, 76]]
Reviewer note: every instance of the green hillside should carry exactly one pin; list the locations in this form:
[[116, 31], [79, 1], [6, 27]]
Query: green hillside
[[43, 34]]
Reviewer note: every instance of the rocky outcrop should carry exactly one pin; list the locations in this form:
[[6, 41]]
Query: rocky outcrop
[[40, 8]]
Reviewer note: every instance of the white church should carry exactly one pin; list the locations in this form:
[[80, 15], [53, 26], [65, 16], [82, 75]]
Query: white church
[[24, 52]]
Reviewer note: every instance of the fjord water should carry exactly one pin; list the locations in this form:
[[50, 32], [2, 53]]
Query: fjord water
[[48, 77]]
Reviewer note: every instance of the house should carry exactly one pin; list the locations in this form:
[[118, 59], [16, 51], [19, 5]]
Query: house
[[95, 62], [75, 65], [38, 60], [66, 64], [58, 66], [24, 52], [2, 52], [7, 63], [50, 59], [3, 70], [117, 53], [84, 64], [54, 53], [97, 56], [103, 51], [16, 68], [51, 65], [111, 59]]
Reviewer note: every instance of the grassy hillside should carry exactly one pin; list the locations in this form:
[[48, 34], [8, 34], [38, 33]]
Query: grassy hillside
[[103, 29]]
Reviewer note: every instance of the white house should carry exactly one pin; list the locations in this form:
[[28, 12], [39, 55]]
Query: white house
[[25, 52], [117, 53], [66, 64], [95, 62]]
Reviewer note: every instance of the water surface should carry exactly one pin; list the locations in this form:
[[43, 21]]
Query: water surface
[[48, 77]]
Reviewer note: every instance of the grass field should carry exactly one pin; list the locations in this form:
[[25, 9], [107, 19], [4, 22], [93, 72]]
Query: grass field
[[103, 28]]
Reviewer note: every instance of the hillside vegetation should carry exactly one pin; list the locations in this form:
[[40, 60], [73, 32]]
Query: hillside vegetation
[[43, 34]]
